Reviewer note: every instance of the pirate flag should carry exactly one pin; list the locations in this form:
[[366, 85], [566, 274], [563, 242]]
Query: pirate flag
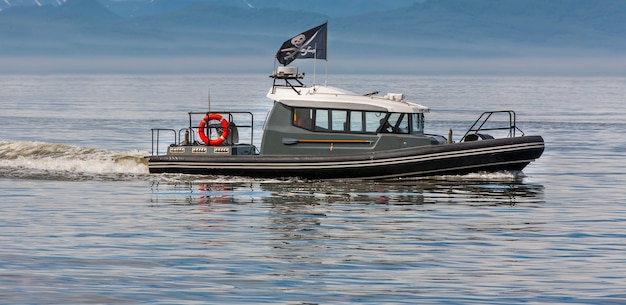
[[310, 44]]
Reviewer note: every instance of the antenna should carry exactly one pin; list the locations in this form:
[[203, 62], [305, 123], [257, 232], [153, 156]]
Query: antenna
[[209, 98], [326, 78]]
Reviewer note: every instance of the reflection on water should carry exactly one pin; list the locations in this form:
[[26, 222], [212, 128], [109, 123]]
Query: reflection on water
[[360, 241], [480, 189]]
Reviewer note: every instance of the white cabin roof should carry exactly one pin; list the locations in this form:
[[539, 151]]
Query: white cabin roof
[[336, 98]]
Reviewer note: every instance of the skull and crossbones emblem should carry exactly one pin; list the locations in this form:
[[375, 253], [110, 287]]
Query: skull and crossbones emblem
[[298, 41]]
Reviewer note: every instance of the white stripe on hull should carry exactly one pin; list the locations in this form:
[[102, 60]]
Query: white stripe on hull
[[449, 169]]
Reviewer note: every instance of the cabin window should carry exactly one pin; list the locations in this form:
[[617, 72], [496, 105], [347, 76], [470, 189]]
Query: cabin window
[[357, 123], [322, 120], [339, 120], [302, 117], [395, 123], [417, 123], [373, 121], [400, 122]]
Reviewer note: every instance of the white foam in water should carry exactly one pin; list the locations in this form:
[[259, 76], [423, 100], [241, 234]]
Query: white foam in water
[[22, 158], [491, 176]]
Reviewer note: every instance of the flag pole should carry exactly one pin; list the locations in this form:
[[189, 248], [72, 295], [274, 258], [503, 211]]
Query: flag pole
[[326, 58], [314, 64]]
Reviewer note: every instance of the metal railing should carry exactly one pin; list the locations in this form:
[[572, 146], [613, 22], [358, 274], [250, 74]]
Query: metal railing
[[156, 139], [481, 125], [230, 117], [188, 135]]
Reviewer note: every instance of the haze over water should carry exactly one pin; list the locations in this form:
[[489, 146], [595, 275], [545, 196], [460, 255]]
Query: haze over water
[[83, 222]]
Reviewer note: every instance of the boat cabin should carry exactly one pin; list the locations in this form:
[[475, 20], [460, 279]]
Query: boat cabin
[[322, 119]]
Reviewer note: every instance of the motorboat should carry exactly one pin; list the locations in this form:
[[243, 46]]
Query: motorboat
[[324, 132]]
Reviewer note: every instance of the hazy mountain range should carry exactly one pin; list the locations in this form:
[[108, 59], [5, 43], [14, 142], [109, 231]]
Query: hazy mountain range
[[367, 33]]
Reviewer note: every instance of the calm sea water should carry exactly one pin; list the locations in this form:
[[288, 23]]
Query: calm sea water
[[82, 222]]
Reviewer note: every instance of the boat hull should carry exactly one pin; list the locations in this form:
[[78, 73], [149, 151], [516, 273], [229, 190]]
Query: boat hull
[[508, 154]]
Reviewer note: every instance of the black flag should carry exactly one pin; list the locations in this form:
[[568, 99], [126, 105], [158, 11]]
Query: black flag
[[310, 44]]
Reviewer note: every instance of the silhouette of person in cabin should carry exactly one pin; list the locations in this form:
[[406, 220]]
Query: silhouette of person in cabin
[[302, 118], [385, 127]]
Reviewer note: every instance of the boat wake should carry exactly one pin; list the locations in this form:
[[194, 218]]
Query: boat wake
[[49, 161]]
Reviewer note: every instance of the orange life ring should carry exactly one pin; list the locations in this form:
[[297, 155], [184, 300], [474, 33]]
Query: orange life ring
[[205, 121]]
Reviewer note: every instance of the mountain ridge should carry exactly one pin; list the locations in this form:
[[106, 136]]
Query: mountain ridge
[[425, 29]]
